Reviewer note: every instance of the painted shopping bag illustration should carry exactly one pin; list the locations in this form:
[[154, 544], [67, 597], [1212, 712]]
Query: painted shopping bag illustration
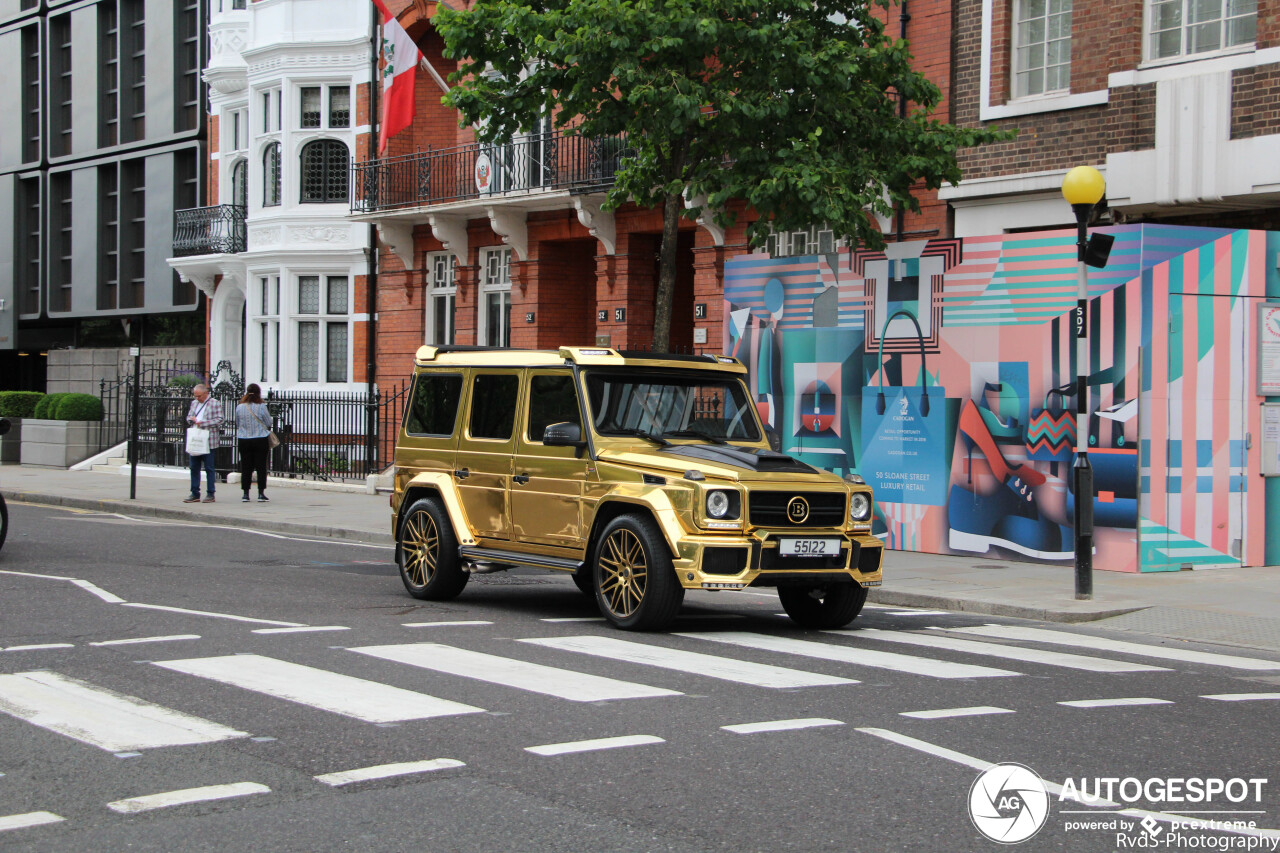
[[1051, 430]]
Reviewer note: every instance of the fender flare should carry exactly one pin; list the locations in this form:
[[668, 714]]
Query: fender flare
[[442, 484], [656, 501]]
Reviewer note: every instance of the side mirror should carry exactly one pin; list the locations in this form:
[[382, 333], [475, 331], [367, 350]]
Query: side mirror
[[563, 435]]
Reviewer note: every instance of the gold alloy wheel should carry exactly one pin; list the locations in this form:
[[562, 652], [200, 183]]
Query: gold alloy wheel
[[421, 548], [624, 570]]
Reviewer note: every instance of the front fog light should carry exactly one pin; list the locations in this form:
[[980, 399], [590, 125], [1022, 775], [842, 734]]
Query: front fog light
[[717, 504], [860, 507]]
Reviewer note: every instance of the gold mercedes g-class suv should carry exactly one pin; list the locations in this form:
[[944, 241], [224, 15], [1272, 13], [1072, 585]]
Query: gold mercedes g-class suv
[[643, 474]]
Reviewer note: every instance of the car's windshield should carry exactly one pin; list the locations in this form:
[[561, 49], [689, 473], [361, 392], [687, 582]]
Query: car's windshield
[[688, 404]]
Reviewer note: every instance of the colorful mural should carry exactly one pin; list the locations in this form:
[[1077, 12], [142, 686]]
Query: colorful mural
[[944, 373]]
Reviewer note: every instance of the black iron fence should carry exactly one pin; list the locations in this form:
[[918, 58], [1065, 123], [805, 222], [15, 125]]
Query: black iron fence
[[552, 160], [209, 230], [323, 435]]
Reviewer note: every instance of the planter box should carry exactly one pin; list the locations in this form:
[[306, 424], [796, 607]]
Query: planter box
[[58, 444], [11, 442]]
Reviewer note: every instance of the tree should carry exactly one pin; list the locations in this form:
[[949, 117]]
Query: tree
[[791, 106]]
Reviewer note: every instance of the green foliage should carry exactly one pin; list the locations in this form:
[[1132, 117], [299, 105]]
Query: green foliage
[[78, 407], [789, 105], [46, 406], [19, 404], [184, 380]]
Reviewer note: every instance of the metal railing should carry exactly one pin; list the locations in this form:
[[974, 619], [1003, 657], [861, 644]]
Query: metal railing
[[323, 435], [538, 162], [209, 230]]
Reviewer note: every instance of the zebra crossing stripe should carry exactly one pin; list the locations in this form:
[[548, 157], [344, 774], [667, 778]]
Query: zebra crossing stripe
[[1114, 703], [22, 821], [1064, 638], [780, 725], [365, 700], [593, 745], [100, 717], [133, 805], [712, 666], [522, 675], [847, 654], [1049, 658], [385, 771], [943, 713]]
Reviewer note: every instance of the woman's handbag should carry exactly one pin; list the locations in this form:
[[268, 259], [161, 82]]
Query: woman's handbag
[[197, 441], [273, 440]]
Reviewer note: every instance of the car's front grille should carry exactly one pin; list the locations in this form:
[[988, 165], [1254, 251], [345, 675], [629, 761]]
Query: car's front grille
[[771, 509], [869, 560], [724, 561]]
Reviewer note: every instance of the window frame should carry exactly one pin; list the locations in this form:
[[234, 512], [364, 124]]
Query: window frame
[[272, 184], [442, 283], [1148, 36], [325, 320], [324, 145], [1016, 45], [495, 278]]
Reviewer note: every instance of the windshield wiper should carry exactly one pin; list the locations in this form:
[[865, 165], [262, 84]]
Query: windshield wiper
[[657, 439], [695, 433]]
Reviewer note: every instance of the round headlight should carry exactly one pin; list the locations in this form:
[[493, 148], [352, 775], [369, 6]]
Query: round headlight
[[860, 507], [717, 504]]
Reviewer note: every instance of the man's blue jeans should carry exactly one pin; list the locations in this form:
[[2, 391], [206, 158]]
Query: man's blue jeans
[[211, 476]]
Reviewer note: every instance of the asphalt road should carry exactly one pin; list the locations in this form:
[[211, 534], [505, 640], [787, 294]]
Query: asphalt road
[[268, 664]]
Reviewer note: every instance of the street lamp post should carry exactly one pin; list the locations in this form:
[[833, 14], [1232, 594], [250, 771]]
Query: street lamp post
[[1083, 188]]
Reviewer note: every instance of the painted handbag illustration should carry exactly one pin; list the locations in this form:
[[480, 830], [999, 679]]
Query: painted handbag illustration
[[1007, 516], [1051, 429]]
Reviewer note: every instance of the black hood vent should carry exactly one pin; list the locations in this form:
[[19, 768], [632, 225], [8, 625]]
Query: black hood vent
[[753, 459]]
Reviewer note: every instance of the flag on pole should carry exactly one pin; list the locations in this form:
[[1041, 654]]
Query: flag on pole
[[400, 58]]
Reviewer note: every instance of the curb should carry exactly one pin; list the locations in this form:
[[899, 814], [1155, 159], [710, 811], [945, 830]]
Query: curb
[[900, 598], [319, 531]]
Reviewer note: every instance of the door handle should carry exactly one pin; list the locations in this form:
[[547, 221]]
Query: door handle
[[463, 474], [520, 478]]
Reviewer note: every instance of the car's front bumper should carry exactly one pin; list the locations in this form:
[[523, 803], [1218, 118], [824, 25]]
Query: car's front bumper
[[737, 562]]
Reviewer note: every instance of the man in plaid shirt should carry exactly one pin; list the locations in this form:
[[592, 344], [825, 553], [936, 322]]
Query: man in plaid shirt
[[205, 411]]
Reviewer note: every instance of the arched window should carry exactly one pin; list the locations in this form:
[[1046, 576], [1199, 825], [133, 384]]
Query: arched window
[[271, 175], [239, 183], [325, 164]]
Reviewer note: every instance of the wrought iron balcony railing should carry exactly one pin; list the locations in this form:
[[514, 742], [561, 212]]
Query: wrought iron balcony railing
[[209, 230], [539, 162]]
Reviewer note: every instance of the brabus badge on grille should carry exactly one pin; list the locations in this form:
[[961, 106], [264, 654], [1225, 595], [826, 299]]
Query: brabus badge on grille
[[798, 510]]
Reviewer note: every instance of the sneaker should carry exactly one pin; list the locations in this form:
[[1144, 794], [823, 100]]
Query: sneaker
[[191, 499], [261, 498], [210, 499], [245, 499]]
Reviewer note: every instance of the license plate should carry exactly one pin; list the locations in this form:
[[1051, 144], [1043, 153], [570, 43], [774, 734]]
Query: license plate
[[808, 547]]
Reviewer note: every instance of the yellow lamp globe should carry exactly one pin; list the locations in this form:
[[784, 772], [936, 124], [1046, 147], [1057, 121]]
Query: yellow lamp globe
[[1083, 185]]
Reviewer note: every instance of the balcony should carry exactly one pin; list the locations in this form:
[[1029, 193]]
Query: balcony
[[217, 230], [551, 162]]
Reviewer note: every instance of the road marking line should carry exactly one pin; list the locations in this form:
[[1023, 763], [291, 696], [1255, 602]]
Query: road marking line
[[301, 629], [1241, 697], [216, 615], [780, 725], [40, 646], [108, 597], [385, 771], [133, 640], [1049, 658], [370, 701], [593, 745], [457, 623], [712, 666], [1063, 638], [1114, 703], [918, 613], [100, 717], [1057, 790], [22, 821], [942, 713], [575, 619], [522, 675], [846, 654], [133, 805]]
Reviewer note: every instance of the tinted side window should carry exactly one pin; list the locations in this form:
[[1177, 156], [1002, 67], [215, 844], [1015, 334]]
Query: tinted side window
[[493, 405], [552, 400], [435, 404]]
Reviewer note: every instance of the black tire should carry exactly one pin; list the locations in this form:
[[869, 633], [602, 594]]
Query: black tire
[[583, 580], [4, 521], [823, 607], [428, 553], [634, 582]]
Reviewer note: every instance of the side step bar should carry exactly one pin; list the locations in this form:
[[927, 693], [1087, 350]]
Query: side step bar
[[490, 555]]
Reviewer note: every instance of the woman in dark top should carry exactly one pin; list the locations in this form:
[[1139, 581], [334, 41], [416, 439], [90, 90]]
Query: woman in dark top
[[253, 424]]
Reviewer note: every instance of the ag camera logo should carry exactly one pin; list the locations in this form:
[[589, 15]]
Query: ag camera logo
[[1008, 803]]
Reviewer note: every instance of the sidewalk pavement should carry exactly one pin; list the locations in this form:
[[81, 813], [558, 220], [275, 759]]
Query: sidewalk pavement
[[1234, 606]]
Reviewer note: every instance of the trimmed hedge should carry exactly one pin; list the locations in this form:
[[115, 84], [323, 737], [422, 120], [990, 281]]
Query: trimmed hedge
[[184, 380], [46, 406], [19, 404], [79, 407]]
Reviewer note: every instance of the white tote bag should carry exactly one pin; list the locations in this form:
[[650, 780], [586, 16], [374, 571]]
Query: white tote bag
[[197, 441]]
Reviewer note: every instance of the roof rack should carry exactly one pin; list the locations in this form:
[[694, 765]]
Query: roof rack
[[665, 356]]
